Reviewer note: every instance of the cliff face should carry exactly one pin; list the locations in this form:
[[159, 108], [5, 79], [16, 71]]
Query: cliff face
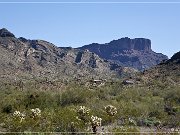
[[135, 44], [136, 53]]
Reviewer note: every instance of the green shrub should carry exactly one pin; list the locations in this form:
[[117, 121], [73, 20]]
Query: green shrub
[[75, 97], [7, 109]]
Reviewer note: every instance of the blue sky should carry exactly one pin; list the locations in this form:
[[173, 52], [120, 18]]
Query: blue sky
[[77, 24]]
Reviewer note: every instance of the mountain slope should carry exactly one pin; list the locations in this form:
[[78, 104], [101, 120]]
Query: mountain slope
[[166, 72], [135, 53], [38, 58]]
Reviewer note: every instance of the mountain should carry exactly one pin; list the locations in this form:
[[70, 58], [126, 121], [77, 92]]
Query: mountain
[[166, 72], [175, 58], [135, 53], [23, 58]]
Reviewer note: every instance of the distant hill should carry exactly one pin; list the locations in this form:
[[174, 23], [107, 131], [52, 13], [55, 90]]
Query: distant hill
[[175, 58], [167, 71], [135, 53], [25, 58]]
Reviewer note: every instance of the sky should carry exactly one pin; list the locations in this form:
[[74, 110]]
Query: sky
[[81, 23]]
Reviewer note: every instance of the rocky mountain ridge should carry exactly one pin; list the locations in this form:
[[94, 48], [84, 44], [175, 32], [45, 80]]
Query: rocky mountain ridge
[[38, 58], [167, 71], [135, 53], [24, 58], [175, 58]]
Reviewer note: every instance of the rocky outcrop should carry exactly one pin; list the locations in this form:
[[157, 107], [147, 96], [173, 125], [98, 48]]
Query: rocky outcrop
[[129, 44], [175, 58], [135, 53], [5, 33], [41, 59]]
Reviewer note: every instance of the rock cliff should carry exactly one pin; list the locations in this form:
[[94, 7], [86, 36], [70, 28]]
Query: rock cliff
[[135, 53]]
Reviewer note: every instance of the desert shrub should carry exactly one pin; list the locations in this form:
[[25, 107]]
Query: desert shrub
[[7, 109], [11, 101], [111, 110], [41, 99], [150, 122], [46, 121], [171, 121], [155, 113], [173, 96], [83, 114], [136, 105], [102, 94], [75, 97], [66, 120], [98, 109], [21, 121]]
